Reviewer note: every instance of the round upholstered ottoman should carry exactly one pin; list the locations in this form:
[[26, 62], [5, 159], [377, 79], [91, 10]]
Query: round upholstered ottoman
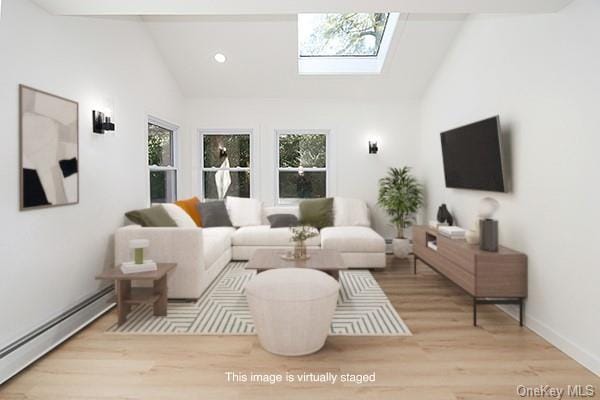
[[292, 309]]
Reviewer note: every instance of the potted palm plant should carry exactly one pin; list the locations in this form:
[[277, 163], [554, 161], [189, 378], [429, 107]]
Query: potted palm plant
[[401, 196]]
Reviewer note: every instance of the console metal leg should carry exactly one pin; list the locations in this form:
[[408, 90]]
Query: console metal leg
[[415, 264], [510, 300], [520, 312]]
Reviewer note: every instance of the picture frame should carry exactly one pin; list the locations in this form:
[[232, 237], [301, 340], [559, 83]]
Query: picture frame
[[48, 149]]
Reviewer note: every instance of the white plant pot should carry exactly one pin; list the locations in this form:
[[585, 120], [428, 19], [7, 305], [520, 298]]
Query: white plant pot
[[401, 247]]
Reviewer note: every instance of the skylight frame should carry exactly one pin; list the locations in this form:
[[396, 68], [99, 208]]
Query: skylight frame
[[385, 26], [351, 65]]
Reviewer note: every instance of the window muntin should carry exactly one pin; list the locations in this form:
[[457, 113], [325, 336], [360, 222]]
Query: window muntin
[[226, 164], [341, 35], [302, 165], [162, 163]]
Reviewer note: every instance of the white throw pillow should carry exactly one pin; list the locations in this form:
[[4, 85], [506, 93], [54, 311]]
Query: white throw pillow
[[177, 214], [243, 211], [350, 212]]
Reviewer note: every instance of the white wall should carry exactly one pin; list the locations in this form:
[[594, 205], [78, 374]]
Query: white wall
[[50, 256], [351, 124], [540, 73]]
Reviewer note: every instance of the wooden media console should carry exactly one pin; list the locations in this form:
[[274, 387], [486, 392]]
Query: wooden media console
[[488, 277]]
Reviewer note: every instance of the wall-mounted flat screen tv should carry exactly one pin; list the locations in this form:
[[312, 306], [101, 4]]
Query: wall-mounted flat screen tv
[[473, 156]]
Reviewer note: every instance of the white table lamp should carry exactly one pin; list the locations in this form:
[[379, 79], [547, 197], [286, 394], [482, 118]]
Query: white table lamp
[[488, 207]]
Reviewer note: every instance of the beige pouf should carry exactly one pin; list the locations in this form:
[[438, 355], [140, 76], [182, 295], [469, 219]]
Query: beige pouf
[[292, 309]]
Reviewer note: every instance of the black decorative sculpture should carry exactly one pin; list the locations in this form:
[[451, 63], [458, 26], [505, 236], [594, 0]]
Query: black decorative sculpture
[[443, 215]]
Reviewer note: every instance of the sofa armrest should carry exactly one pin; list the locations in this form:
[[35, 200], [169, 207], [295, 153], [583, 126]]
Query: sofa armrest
[[183, 246]]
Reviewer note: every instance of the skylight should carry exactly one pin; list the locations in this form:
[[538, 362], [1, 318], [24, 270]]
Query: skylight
[[352, 43], [339, 35]]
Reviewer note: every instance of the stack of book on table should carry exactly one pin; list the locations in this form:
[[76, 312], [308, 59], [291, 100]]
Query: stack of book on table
[[433, 224], [453, 232], [130, 267]]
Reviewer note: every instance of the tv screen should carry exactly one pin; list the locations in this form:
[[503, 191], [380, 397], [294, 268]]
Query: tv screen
[[473, 157]]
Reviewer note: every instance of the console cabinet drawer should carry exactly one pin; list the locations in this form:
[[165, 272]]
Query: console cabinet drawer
[[479, 273], [458, 252], [447, 268]]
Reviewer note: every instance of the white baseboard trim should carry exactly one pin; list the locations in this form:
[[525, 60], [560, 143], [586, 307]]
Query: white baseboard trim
[[23, 352], [571, 349]]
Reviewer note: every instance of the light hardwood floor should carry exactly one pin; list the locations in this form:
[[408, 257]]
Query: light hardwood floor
[[446, 358]]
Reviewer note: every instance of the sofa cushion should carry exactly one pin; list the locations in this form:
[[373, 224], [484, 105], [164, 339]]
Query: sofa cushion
[[244, 211], [214, 213], [350, 212], [216, 241], [352, 239], [316, 212], [283, 220], [154, 216], [264, 235], [178, 214], [190, 206]]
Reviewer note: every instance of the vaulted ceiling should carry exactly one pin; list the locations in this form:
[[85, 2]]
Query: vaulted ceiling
[[262, 54], [259, 39]]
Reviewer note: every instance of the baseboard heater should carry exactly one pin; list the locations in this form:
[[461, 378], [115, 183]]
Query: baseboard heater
[[26, 350]]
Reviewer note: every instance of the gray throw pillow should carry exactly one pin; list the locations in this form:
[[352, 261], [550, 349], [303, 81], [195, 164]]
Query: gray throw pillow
[[213, 214], [283, 220]]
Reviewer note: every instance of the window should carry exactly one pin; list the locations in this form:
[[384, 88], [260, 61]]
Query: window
[[341, 35], [352, 43], [161, 162], [226, 163], [302, 165]]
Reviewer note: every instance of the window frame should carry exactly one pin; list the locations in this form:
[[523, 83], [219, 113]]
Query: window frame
[[151, 120], [327, 169], [357, 64], [226, 132], [375, 55]]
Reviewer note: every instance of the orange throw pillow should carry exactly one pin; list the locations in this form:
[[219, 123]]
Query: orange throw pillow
[[190, 206]]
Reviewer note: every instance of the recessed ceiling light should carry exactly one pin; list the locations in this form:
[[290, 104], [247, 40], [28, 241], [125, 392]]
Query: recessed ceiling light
[[220, 58]]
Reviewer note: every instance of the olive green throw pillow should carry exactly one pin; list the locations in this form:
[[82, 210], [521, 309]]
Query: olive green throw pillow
[[316, 212], [153, 216]]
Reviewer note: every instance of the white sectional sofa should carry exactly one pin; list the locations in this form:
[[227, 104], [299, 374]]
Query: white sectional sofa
[[360, 246], [247, 239], [201, 253]]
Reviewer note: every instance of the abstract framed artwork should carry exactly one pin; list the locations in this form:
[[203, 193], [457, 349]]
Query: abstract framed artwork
[[49, 149]]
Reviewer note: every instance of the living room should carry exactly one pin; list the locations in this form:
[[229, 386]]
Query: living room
[[229, 82]]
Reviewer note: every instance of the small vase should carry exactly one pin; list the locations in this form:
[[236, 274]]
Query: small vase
[[472, 236], [449, 218], [300, 250], [441, 214], [139, 255]]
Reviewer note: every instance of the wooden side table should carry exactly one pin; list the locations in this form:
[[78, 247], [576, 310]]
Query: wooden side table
[[128, 296]]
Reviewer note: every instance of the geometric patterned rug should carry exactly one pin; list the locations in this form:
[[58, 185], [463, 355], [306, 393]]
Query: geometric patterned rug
[[363, 309]]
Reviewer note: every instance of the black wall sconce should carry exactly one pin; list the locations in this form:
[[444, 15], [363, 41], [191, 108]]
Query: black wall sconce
[[373, 149], [102, 123]]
